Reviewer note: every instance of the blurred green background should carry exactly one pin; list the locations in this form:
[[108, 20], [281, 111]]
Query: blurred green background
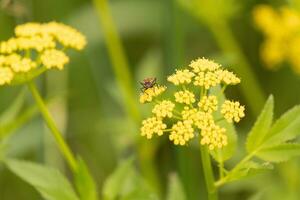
[[86, 100]]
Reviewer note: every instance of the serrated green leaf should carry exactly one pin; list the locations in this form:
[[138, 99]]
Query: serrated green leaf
[[228, 151], [50, 183], [279, 153], [115, 181], [287, 127], [175, 189], [261, 127], [85, 184]]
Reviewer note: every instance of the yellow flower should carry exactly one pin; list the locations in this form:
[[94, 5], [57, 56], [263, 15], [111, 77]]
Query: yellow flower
[[232, 111], [281, 28], [152, 125], [23, 65], [163, 109], [181, 77], [150, 93], [8, 46], [207, 79], [214, 136], [54, 59], [29, 29], [208, 103], [6, 75], [185, 96], [182, 132], [202, 65], [185, 117], [227, 77], [39, 43]]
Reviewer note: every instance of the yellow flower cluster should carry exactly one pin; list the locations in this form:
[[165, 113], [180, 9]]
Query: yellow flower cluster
[[208, 103], [150, 93], [182, 132], [232, 111], [152, 125], [163, 109], [282, 32], [54, 59], [193, 108], [185, 96], [37, 46], [181, 77]]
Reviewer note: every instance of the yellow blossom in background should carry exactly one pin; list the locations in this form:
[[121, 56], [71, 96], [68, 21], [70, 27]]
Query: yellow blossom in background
[[150, 93], [281, 28], [185, 96], [232, 111], [54, 59], [191, 112], [37, 46]]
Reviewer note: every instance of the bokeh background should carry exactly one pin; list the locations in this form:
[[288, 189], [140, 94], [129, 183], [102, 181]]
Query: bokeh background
[[88, 102]]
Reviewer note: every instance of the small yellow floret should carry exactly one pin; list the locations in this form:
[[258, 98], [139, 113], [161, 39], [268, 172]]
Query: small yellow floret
[[185, 96], [150, 93], [54, 59], [6, 75], [152, 125], [232, 111], [9, 46], [214, 136], [202, 65], [164, 109], [208, 103], [182, 132], [181, 77]]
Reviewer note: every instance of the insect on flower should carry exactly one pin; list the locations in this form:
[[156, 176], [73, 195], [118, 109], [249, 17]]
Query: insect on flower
[[147, 83]]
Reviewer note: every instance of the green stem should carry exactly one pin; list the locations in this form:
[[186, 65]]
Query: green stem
[[118, 58], [124, 80], [208, 173], [64, 148]]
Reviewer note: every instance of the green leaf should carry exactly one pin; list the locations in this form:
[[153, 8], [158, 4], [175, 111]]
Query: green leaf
[[249, 169], [175, 190], [84, 182], [228, 151], [287, 127], [261, 127], [50, 183], [279, 153], [115, 181]]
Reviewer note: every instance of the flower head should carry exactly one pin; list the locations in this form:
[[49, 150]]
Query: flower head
[[193, 109], [232, 111], [185, 96], [150, 93], [164, 109], [182, 132], [36, 48], [152, 125], [181, 77]]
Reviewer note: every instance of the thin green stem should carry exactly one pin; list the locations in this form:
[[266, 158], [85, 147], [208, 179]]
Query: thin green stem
[[118, 58], [208, 173], [62, 145]]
